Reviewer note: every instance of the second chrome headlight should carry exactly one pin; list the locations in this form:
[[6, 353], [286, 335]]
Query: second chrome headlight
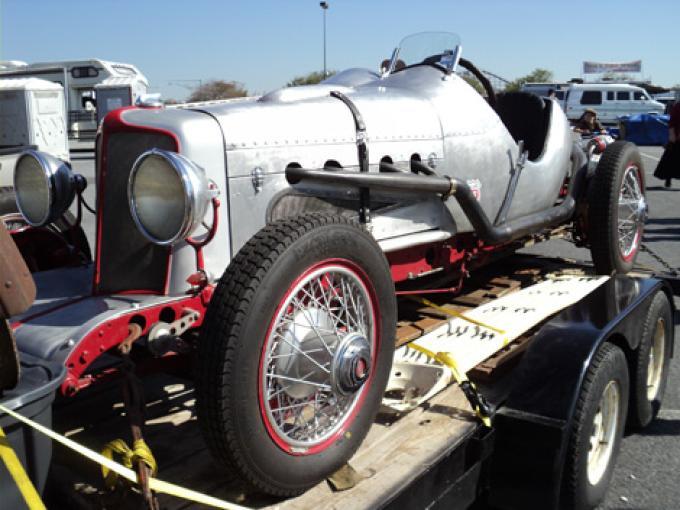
[[45, 187], [168, 195]]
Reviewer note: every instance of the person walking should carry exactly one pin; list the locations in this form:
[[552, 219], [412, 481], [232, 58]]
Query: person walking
[[669, 164]]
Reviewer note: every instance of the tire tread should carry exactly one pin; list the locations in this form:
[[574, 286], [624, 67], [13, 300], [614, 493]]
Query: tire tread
[[229, 305]]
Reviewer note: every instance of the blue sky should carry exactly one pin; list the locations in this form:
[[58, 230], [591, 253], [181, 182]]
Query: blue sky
[[263, 44]]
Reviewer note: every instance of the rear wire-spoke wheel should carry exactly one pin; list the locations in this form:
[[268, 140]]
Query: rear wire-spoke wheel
[[617, 209], [597, 428], [295, 352], [631, 212], [650, 367]]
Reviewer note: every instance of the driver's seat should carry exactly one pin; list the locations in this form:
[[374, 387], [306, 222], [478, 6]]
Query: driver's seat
[[527, 118]]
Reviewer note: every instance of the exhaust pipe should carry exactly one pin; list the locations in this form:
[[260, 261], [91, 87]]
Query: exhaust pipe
[[446, 187]]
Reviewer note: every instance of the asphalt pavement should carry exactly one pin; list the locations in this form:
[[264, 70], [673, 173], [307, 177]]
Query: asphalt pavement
[[647, 476]]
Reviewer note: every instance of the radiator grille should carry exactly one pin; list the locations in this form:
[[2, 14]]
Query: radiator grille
[[128, 261]]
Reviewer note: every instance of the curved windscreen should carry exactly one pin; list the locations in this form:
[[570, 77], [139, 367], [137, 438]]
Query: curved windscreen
[[436, 48]]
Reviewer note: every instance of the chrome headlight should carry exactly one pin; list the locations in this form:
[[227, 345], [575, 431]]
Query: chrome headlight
[[45, 187], [169, 196]]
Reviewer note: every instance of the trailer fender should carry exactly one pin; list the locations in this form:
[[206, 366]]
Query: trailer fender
[[534, 424]]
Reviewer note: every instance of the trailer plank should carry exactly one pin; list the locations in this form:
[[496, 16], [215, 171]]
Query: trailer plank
[[393, 456]]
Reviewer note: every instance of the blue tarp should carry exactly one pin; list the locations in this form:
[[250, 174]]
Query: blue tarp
[[645, 129]]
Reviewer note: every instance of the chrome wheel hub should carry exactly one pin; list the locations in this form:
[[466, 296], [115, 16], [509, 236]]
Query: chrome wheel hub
[[632, 211], [351, 364], [602, 438]]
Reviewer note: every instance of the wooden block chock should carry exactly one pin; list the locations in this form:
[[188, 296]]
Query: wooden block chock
[[344, 478]]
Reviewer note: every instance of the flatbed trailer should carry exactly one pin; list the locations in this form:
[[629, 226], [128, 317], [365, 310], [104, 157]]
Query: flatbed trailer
[[438, 455]]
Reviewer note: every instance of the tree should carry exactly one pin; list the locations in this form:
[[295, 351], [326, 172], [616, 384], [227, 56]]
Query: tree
[[538, 75], [309, 79], [217, 89]]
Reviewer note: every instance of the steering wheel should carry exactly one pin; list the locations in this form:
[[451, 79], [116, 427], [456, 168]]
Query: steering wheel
[[469, 66]]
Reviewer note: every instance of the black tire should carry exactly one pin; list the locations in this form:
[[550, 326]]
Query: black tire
[[608, 366], [58, 244], [645, 402], [245, 312], [603, 209]]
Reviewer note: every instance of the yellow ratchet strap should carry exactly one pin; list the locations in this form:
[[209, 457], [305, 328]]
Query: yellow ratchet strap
[[127, 473], [16, 470], [476, 399], [129, 456], [453, 313]]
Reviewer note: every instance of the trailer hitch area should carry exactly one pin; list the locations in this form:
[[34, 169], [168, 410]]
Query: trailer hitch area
[[164, 336]]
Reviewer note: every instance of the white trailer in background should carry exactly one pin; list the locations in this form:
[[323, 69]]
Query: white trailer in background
[[82, 80], [32, 115]]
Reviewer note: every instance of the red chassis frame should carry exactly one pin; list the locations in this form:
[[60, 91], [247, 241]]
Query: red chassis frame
[[406, 265]]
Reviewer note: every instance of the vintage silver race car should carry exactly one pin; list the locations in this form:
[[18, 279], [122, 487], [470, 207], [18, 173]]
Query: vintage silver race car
[[283, 229]]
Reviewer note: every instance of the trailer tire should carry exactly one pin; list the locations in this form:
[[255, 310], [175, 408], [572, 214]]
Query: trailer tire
[[616, 201], [296, 286], [650, 368], [597, 428]]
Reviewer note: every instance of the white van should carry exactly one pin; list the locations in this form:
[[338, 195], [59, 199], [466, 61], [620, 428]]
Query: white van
[[610, 101], [543, 89]]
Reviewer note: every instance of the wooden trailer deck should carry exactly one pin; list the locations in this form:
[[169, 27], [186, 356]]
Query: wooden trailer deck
[[397, 450]]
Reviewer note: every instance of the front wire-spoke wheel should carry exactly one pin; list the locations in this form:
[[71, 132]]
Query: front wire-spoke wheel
[[317, 358], [295, 352]]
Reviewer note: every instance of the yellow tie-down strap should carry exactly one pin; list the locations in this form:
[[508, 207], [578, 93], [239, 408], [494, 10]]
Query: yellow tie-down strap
[[18, 474], [472, 337], [154, 483]]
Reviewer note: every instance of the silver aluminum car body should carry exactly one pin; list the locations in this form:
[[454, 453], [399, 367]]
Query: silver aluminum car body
[[245, 146], [419, 111]]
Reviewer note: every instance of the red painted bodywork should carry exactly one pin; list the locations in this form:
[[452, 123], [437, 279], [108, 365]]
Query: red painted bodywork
[[111, 333]]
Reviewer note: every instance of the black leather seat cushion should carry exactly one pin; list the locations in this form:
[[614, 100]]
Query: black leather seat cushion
[[527, 117]]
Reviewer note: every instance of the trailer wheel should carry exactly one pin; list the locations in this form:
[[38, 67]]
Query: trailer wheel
[[597, 429], [617, 209], [650, 369], [295, 352]]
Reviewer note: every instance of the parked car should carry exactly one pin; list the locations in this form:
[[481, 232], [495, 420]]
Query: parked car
[[611, 101], [283, 228]]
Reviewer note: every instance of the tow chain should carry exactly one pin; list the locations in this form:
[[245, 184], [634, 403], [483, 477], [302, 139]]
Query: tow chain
[[659, 259]]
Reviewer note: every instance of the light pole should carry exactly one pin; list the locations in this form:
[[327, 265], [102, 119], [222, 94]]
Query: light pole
[[324, 7]]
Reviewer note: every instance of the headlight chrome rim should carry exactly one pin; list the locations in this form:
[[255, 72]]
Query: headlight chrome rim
[[60, 182], [196, 197]]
